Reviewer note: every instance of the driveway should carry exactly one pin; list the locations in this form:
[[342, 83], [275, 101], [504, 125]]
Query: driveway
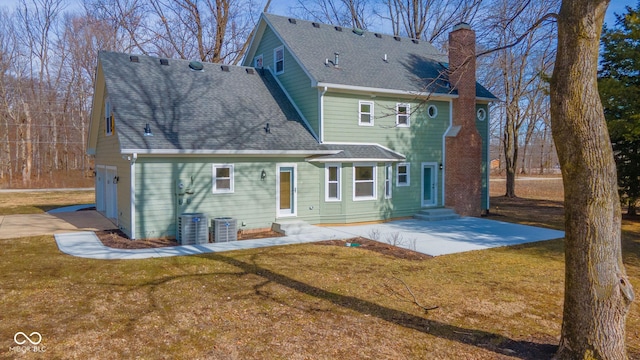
[[15, 226]]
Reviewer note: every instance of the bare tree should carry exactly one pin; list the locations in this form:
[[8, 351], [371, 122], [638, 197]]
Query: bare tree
[[349, 13], [597, 291]]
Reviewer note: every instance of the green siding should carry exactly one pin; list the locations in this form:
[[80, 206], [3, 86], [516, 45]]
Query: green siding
[[253, 201], [293, 79]]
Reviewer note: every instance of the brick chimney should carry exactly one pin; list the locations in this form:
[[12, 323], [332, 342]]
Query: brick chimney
[[463, 144]]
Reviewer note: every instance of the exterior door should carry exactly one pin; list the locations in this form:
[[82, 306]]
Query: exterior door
[[111, 193], [100, 176], [429, 184], [286, 190]]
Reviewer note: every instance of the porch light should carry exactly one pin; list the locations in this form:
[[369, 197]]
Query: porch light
[[263, 175]]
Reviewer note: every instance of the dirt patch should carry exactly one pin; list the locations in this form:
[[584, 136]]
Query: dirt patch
[[382, 248], [118, 240]]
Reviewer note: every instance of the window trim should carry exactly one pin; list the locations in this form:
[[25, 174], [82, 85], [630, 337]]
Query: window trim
[[338, 182], [481, 114], [371, 112], [275, 60], [407, 114], [407, 173], [388, 182], [231, 189], [255, 61], [435, 111], [108, 118], [374, 180]]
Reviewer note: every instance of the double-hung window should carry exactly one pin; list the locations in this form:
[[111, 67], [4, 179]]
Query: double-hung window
[[222, 178], [403, 174], [278, 59], [388, 175], [332, 182], [365, 113], [108, 118], [403, 112], [364, 182]]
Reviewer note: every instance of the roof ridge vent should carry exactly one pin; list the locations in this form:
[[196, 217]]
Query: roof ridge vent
[[415, 41], [358, 31], [250, 71], [397, 38], [292, 21], [164, 61], [379, 36], [225, 68], [315, 25], [134, 58], [338, 28]]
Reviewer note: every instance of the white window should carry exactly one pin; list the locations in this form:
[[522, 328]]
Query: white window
[[332, 182], [278, 59], [432, 111], [388, 175], [403, 112], [108, 118], [482, 114], [364, 182], [222, 178], [365, 113], [402, 174], [257, 61]]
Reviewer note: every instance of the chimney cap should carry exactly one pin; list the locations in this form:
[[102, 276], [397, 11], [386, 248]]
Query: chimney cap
[[461, 25]]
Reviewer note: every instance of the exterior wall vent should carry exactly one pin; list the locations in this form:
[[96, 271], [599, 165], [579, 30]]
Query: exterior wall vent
[[225, 68], [224, 229], [316, 25], [338, 28], [164, 62], [192, 229], [292, 21], [134, 58]]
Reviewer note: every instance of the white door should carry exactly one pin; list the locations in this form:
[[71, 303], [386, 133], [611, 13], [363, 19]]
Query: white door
[[111, 193], [286, 190], [100, 187], [429, 184]]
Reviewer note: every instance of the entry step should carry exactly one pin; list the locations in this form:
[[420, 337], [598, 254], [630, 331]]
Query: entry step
[[291, 227], [436, 214]]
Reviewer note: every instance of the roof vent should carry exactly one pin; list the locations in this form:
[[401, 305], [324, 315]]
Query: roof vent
[[250, 71], [147, 130], [224, 68], [292, 21], [386, 59], [378, 36], [337, 59], [134, 58], [397, 38], [415, 41], [196, 65], [164, 62], [338, 28], [358, 31], [316, 25]]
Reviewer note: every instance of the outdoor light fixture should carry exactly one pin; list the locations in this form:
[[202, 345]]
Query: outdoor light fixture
[[263, 175], [440, 166]]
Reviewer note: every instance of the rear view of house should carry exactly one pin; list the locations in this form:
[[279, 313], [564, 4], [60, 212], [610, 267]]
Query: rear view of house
[[321, 124]]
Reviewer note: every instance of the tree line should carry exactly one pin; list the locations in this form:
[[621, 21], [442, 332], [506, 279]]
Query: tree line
[[48, 57]]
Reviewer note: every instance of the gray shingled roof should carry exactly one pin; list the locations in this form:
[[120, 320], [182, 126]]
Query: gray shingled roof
[[199, 110], [353, 152], [412, 65]]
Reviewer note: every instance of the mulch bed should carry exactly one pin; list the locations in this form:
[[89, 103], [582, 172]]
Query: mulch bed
[[118, 240]]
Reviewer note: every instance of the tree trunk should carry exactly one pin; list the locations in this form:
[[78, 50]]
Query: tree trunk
[[597, 291]]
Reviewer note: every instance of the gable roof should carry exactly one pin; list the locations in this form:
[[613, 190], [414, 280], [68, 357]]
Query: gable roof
[[411, 66], [189, 111]]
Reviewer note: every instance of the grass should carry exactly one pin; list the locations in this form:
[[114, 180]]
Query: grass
[[295, 302], [36, 202]]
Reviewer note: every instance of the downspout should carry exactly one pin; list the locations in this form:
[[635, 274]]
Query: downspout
[[444, 150], [488, 163], [132, 195], [321, 120]]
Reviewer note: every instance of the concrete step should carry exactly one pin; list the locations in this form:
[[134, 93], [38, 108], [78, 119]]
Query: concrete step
[[436, 214], [291, 227]]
